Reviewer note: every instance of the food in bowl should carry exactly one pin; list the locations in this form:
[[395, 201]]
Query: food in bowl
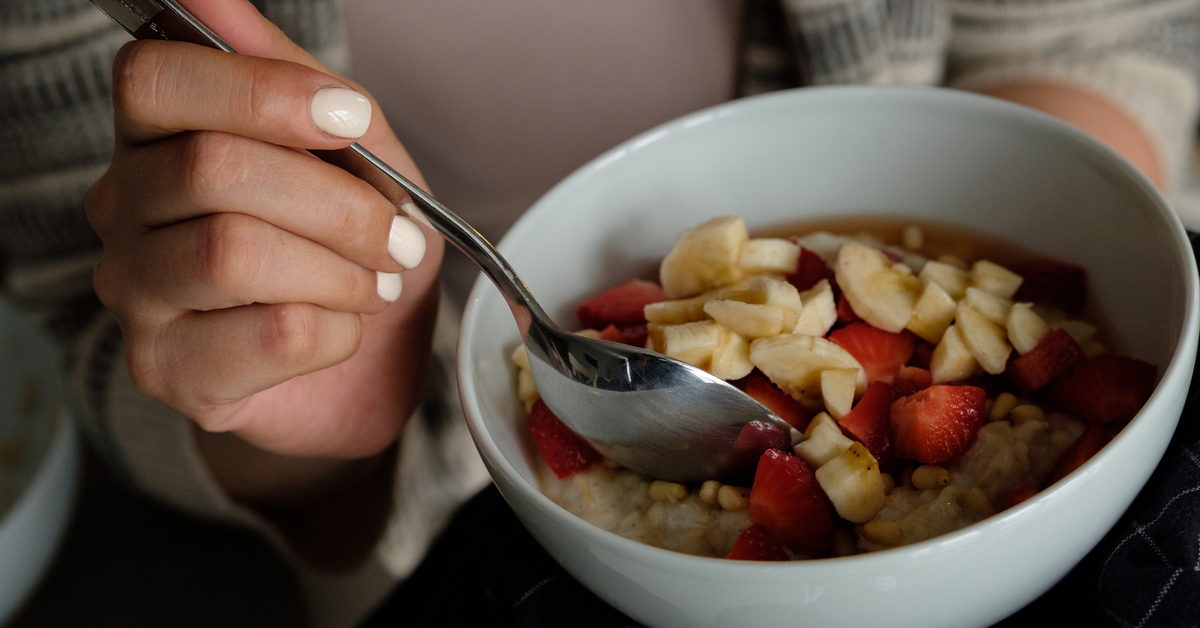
[[928, 387]]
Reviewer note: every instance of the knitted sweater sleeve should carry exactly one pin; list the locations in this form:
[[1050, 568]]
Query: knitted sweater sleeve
[[1143, 55], [56, 139]]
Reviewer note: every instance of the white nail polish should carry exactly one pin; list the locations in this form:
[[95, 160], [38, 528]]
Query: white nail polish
[[341, 112], [406, 243], [388, 286]]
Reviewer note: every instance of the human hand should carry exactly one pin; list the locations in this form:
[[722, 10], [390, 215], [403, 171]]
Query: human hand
[[247, 275]]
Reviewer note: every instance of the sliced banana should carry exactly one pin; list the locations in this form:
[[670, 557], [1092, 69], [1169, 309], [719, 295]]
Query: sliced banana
[[794, 363], [880, 293], [705, 256]]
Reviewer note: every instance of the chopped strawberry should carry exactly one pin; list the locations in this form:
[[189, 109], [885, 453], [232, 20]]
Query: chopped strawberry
[[763, 391], [845, 312], [787, 500], [1080, 451], [1104, 388], [937, 424], [881, 353], [755, 438], [869, 421], [1056, 353], [634, 335], [1020, 493], [922, 355], [755, 543], [810, 270], [1051, 282], [566, 452], [912, 379], [622, 306], [612, 333]]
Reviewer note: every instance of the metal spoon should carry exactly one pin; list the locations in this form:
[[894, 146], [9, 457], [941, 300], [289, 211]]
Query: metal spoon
[[653, 414]]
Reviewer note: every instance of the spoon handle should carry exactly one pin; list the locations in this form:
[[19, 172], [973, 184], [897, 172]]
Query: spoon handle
[[166, 19]]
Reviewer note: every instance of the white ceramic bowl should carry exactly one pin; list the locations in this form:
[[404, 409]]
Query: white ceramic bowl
[[929, 154], [40, 460]]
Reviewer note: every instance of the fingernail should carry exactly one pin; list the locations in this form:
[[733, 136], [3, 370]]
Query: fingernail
[[406, 243], [388, 286], [342, 112]]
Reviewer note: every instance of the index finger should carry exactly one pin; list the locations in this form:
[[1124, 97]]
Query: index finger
[[162, 89]]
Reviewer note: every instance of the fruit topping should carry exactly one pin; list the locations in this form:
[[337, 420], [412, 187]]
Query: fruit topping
[[1051, 282], [755, 543], [623, 305], [1104, 388], [1056, 353], [870, 421], [566, 452], [881, 292], [853, 484], [880, 353], [763, 391], [705, 256], [788, 502], [810, 269], [1080, 451], [937, 424]]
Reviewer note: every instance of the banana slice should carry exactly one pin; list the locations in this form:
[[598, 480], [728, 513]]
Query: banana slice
[[952, 360], [731, 357], [769, 255], [693, 343], [748, 319], [794, 362], [824, 443], [994, 308], [882, 294], [705, 256], [819, 311], [995, 279], [933, 312], [952, 279], [987, 341], [1025, 328], [853, 483], [837, 389]]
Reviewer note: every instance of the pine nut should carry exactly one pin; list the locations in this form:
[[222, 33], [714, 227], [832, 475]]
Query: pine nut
[[976, 502], [1003, 406], [733, 498], [1027, 412], [661, 491], [708, 492], [929, 476], [883, 532]]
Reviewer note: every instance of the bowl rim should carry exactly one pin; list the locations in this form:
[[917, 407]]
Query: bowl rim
[[1179, 368]]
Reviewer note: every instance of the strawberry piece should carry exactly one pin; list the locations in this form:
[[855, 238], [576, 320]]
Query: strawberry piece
[[922, 355], [869, 421], [1056, 353], [763, 391], [612, 333], [810, 269], [1020, 493], [845, 313], [634, 335], [881, 353], [566, 452], [622, 306], [755, 438], [755, 543], [1080, 451], [937, 424], [1051, 282], [912, 379], [1104, 388], [787, 500]]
